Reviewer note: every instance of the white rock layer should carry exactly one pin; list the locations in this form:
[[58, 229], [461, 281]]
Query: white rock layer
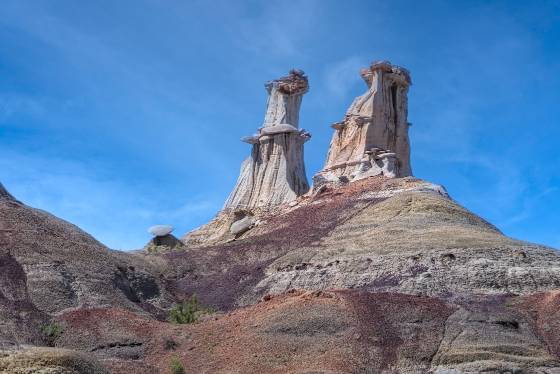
[[372, 139], [275, 172]]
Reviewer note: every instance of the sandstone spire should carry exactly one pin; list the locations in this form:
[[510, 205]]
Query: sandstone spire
[[372, 139], [275, 172]]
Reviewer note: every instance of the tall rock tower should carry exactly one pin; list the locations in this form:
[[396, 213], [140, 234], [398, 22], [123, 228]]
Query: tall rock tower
[[275, 172], [372, 139]]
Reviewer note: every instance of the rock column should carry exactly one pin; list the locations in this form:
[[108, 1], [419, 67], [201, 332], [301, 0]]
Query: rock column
[[275, 172], [372, 139]]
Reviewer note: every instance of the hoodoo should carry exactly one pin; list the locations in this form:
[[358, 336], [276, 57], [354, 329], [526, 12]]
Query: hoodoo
[[275, 173], [372, 139]]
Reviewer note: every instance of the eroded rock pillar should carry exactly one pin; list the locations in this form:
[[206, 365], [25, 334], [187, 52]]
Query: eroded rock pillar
[[275, 172], [372, 139]]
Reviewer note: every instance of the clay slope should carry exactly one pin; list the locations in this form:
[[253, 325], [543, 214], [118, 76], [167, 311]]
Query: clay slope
[[374, 276], [380, 235], [344, 331], [48, 266]]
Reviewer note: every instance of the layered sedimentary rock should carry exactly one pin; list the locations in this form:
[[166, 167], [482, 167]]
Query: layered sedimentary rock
[[372, 139], [378, 235], [423, 286], [275, 172], [48, 265]]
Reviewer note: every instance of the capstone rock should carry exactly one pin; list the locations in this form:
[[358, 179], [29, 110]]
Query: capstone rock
[[160, 230]]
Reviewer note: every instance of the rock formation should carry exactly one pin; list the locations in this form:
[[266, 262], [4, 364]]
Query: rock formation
[[163, 240], [372, 139], [380, 275], [275, 172]]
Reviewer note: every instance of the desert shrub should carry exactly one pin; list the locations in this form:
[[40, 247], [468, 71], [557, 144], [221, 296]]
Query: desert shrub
[[51, 332], [176, 367], [188, 311], [170, 344]]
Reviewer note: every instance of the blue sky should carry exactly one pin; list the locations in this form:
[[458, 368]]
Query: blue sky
[[117, 115]]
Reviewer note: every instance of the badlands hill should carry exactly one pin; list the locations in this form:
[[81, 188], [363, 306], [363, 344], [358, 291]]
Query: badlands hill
[[371, 270]]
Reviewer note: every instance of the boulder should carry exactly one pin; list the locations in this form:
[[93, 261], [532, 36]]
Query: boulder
[[242, 225]]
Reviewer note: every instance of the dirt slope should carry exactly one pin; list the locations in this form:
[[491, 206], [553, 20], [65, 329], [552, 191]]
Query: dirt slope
[[344, 331], [400, 235], [376, 276]]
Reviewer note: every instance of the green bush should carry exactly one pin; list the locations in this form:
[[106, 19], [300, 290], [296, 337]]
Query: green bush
[[51, 332], [176, 367], [188, 311]]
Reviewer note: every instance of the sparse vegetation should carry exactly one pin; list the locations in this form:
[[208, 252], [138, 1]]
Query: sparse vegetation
[[170, 344], [52, 332], [176, 367], [188, 311]]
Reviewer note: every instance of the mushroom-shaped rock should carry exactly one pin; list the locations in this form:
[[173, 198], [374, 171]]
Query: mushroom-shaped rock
[[160, 230]]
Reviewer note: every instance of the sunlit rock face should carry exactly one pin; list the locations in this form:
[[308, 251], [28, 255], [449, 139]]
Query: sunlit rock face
[[372, 139], [275, 173]]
